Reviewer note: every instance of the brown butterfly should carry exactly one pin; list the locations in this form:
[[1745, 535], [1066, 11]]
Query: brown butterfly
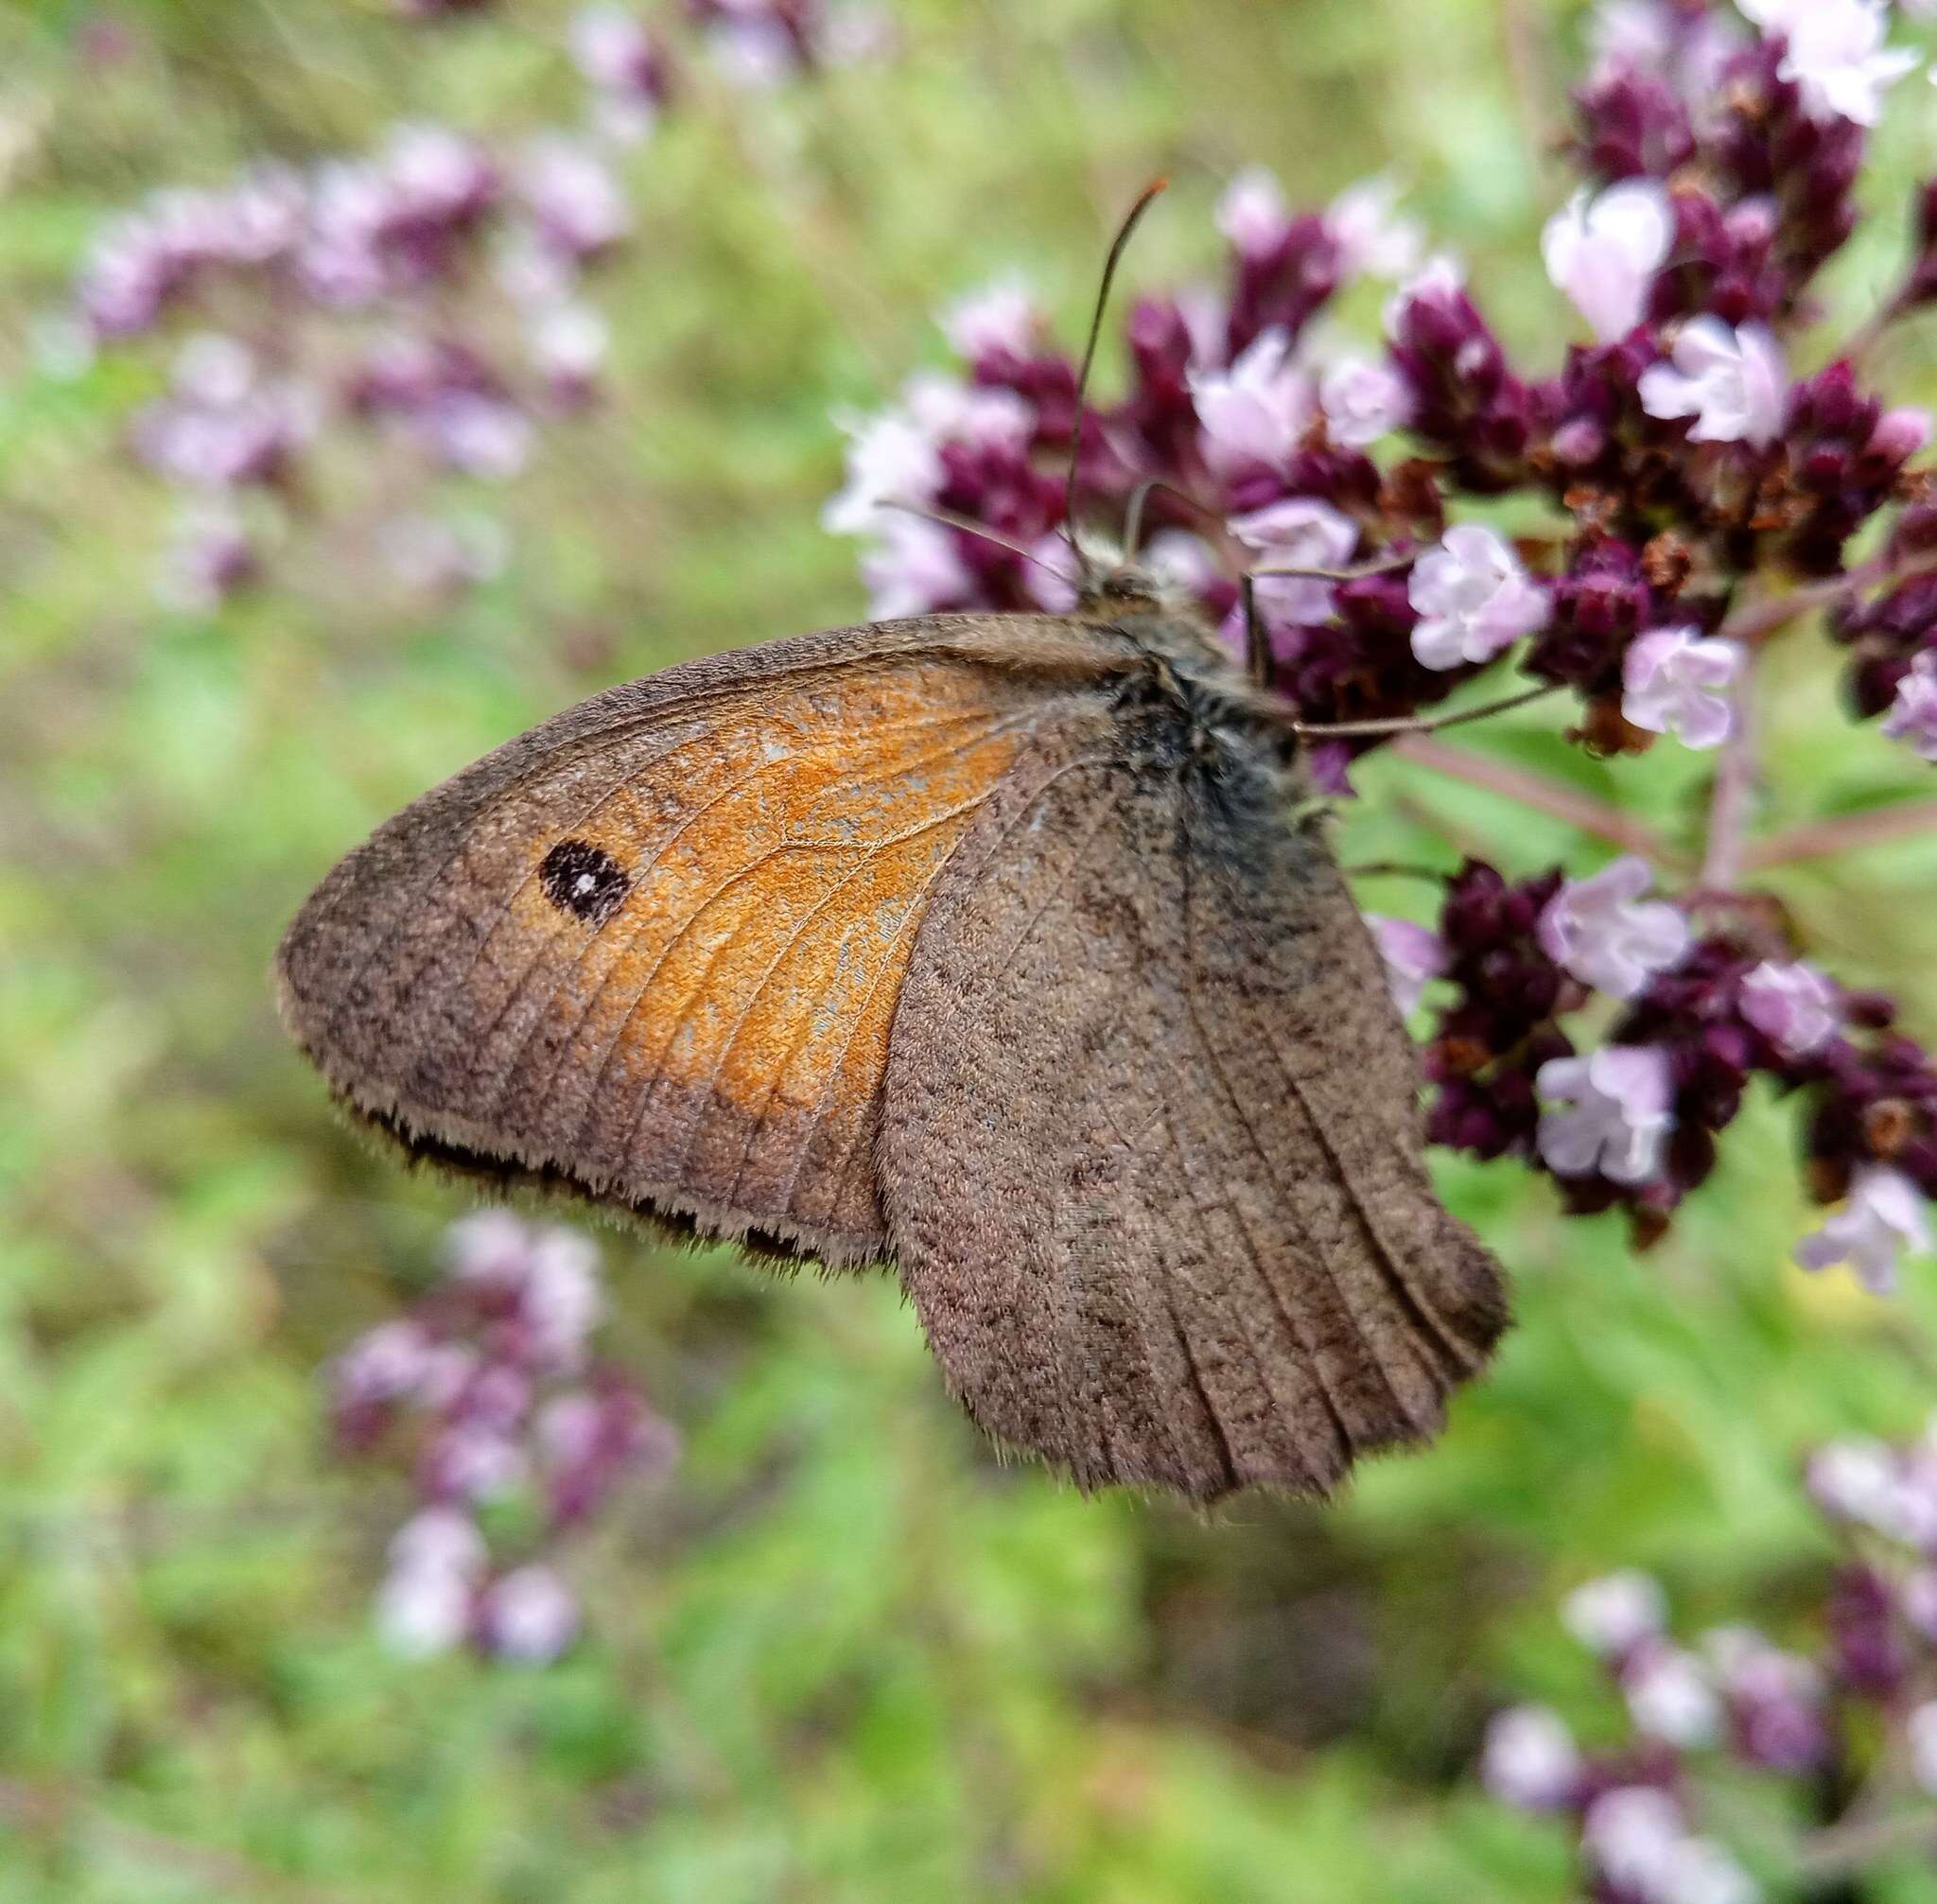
[[1000, 949]]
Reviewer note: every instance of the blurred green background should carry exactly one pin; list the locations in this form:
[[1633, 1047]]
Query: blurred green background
[[840, 1653]]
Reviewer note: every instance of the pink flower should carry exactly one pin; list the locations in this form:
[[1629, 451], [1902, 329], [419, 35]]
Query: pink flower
[[1793, 1005], [1675, 682], [1855, 1480], [1884, 1216], [1598, 930], [1611, 1615], [1836, 55], [1256, 412], [890, 459], [572, 197], [618, 56], [1733, 382], [222, 426], [914, 567], [1414, 956], [424, 1612], [1920, 1730], [1371, 240], [562, 1300], [1001, 320], [1604, 253], [1252, 214], [386, 1365], [438, 1540], [531, 1616], [1364, 401], [1530, 1759], [1670, 1697], [1473, 598], [1913, 718], [1299, 533], [1617, 1116], [1634, 1836]]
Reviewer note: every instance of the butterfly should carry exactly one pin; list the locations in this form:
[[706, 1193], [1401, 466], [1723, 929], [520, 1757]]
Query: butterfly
[[1002, 950]]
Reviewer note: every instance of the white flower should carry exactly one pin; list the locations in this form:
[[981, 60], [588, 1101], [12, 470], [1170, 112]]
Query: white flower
[[1413, 955], [944, 407], [531, 1615], [1530, 1759], [1618, 1116], [423, 1612], [1597, 928], [1733, 382], [913, 567], [438, 1540], [1675, 682], [1703, 1873], [1364, 401], [1670, 1697], [1258, 410], [568, 343], [1251, 214], [1920, 1729], [1182, 560], [1614, 1615], [889, 460], [1632, 1834], [1884, 1215], [1371, 240], [1919, 1601], [1631, 36], [1052, 576], [1299, 533], [1792, 1005], [384, 1365], [562, 1300], [1855, 1480], [1639, 1842], [1913, 717], [1835, 53], [1472, 596], [1604, 253], [1001, 320]]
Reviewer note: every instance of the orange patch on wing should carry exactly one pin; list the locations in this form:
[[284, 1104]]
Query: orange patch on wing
[[779, 869]]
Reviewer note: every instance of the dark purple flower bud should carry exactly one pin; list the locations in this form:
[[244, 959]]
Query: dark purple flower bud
[[1466, 400], [1632, 127], [1284, 284], [1770, 147], [1599, 609], [1867, 1650]]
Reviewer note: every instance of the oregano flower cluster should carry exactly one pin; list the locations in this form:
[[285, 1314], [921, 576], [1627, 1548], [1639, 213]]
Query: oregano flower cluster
[[435, 293], [1832, 1728], [513, 1437], [1713, 498]]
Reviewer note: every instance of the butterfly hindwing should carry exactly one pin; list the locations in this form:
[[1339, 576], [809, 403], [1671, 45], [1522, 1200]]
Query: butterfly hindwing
[[652, 950], [1151, 1153]]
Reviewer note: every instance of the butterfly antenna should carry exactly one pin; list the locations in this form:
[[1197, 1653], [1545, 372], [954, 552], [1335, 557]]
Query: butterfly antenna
[[1118, 246], [948, 519]]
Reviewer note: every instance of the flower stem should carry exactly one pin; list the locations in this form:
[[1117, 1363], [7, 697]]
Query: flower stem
[[1564, 803], [1421, 724]]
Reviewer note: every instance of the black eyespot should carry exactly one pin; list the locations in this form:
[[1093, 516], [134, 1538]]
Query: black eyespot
[[583, 881]]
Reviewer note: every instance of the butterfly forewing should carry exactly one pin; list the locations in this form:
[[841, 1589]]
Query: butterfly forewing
[[653, 949]]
